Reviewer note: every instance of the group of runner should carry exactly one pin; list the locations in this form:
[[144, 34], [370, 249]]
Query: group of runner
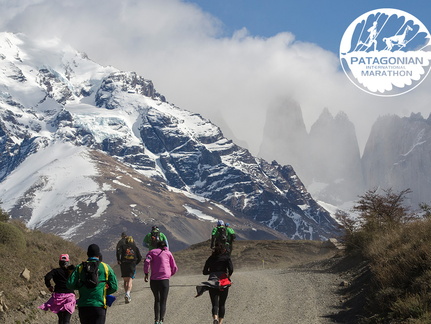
[[96, 281]]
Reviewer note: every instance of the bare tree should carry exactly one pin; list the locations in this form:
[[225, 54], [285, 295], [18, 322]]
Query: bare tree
[[382, 211]]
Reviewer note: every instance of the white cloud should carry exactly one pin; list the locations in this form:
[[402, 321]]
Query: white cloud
[[231, 80]]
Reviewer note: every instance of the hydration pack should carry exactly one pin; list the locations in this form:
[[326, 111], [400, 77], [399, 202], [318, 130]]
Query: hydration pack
[[221, 234], [155, 238], [91, 274]]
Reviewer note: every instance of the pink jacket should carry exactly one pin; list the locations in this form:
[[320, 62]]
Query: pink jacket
[[162, 264]]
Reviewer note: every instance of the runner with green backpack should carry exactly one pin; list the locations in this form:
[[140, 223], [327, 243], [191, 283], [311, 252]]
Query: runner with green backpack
[[231, 236], [224, 235], [153, 238]]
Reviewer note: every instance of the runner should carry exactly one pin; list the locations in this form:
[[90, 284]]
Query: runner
[[162, 264], [219, 267], [155, 236], [219, 234], [119, 245], [62, 301], [231, 236], [128, 257], [93, 287]]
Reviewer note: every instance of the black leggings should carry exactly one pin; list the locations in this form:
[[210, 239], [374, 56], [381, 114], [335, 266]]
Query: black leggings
[[92, 315], [64, 317], [218, 299], [160, 289]]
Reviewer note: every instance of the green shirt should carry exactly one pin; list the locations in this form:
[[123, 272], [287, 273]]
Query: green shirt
[[230, 234], [93, 297], [147, 241]]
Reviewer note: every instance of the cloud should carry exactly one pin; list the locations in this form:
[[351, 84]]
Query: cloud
[[230, 79]]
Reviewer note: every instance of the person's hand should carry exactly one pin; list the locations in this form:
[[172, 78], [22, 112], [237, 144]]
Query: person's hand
[[51, 289], [146, 277]]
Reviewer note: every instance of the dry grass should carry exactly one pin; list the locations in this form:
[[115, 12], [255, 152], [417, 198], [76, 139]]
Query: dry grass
[[397, 246], [39, 255], [400, 263]]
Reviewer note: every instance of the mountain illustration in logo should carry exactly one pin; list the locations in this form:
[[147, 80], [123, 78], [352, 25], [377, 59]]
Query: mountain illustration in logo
[[386, 52]]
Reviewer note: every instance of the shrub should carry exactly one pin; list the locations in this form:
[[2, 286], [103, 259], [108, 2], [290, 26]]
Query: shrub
[[12, 237], [382, 212], [377, 214], [397, 245], [4, 217]]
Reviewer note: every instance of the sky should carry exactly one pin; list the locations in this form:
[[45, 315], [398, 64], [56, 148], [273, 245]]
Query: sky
[[229, 60]]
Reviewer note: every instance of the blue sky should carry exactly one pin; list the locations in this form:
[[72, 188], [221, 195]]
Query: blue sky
[[321, 22], [229, 60]]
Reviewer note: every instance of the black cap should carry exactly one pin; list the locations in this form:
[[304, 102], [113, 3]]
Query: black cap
[[93, 251]]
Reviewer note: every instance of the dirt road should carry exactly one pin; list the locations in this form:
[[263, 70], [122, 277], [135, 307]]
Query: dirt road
[[300, 295], [287, 282]]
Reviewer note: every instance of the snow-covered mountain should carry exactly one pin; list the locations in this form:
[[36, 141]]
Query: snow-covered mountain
[[72, 132]]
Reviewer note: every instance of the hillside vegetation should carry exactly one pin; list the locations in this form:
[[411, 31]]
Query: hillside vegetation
[[20, 249], [396, 244]]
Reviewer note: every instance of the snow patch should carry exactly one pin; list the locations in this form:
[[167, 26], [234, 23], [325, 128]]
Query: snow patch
[[56, 176], [199, 214]]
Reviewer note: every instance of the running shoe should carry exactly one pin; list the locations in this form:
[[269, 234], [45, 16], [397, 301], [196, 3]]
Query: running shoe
[[127, 298], [215, 321]]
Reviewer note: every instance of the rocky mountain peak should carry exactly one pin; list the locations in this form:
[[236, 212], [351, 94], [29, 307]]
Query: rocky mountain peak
[[58, 98], [395, 155]]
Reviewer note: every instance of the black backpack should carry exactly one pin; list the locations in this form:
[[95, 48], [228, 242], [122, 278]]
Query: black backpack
[[91, 274], [221, 235], [155, 238]]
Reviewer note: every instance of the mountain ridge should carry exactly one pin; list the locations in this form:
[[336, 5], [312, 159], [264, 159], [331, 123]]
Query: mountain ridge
[[50, 99], [328, 158]]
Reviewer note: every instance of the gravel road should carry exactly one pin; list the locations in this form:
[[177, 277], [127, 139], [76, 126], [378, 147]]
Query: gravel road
[[302, 295], [297, 286]]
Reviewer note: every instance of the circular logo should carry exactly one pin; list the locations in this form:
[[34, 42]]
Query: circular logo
[[386, 52]]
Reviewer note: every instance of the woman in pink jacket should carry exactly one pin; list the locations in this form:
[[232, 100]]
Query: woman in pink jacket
[[162, 264]]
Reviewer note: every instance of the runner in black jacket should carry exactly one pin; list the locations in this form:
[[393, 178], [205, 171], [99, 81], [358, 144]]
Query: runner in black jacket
[[62, 301], [128, 256], [218, 266]]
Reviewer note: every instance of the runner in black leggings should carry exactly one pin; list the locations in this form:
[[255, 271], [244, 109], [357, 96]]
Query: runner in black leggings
[[161, 262], [218, 265]]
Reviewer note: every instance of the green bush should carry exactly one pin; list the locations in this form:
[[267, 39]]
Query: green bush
[[4, 217], [12, 237]]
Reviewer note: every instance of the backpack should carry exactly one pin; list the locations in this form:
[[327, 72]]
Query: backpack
[[221, 235], [155, 238], [129, 253], [91, 274]]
